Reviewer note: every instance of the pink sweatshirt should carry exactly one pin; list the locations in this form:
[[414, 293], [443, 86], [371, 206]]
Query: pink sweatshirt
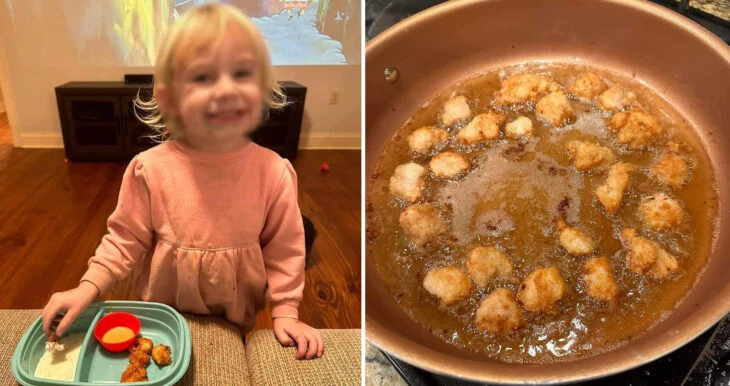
[[210, 232]]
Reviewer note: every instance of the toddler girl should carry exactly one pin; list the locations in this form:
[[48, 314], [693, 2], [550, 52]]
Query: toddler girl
[[209, 219]]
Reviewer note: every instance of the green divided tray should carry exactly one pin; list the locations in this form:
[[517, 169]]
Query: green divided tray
[[96, 365]]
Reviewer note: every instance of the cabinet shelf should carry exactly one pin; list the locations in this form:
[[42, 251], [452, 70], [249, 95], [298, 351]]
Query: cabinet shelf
[[99, 124]]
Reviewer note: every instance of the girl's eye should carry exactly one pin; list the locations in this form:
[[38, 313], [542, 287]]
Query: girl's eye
[[200, 78], [242, 73]]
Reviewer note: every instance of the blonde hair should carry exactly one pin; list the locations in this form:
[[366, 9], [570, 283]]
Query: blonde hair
[[201, 27]]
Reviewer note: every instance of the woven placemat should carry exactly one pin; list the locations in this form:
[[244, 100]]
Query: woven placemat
[[218, 355], [271, 364], [13, 324]]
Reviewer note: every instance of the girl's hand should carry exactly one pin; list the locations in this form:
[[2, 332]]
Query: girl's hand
[[308, 340], [73, 302]]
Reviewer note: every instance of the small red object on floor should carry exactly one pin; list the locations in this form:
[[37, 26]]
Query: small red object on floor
[[324, 167]]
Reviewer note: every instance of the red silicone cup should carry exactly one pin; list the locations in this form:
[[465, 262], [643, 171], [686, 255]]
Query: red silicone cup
[[117, 319]]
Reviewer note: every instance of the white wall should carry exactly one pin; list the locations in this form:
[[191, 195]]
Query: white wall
[[37, 57], [325, 125]]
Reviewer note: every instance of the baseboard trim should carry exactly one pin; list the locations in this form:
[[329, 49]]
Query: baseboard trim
[[330, 141], [311, 141], [41, 141]]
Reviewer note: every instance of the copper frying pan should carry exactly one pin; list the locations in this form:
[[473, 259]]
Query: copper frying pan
[[672, 55]]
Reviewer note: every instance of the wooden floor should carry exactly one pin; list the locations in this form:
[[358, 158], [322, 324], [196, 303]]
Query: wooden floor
[[53, 214]]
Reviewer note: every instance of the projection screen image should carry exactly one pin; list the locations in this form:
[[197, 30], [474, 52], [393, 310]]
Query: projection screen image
[[297, 32]]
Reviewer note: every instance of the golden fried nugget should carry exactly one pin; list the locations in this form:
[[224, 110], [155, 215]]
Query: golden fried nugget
[[143, 344], [599, 280], [635, 128], [449, 164], [587, 155], [575, 241], [139, 358], [422, 140], [660, 211], [133, 373], [487, 263], [454, 110], [588, 85], [422, 223], [449, 284], [484, 127], [556, 108], [665, 264], [616, 98], [408, 181], [499, 313], [541, 290], [646, 255], [611, 193], [523, 88], [519, 128], [161, 355], [671, 169]]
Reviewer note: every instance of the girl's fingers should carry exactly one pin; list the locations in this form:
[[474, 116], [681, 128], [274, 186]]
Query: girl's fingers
[[65, 323], [320, 339], [313, 346], [301, 340], [283, 338], [49, 315]]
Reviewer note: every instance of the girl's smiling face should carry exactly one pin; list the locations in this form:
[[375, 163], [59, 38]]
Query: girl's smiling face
[[217, 94]]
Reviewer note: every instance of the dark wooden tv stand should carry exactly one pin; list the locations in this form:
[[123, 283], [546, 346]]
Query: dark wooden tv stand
[[99, 123]]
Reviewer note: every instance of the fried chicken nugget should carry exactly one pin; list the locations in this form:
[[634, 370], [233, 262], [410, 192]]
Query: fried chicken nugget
[[616, 98], [449, 164], [484, 127], [422, 140], [575, 241], [556, 108], [454, 110], [139, 358], [599, 280], [161, 355], [408, 181], [671, 169], [587, 155], [635, 128], [660, 211], [133, 373], [143, 344], [541, 290], [646, 255], [611, 193], [523, 88], [421, 223], [487, 263], [588, 85], [519, 128], [499, 313], [449, 284], [664, 266]]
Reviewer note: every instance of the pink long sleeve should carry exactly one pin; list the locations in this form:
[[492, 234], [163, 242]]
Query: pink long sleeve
[[130, 232], [282, 242]]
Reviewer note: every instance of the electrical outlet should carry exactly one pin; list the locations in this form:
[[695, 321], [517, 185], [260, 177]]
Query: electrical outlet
[[334, 97]]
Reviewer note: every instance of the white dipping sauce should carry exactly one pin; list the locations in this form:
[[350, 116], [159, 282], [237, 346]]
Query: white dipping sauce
[[61, 364]]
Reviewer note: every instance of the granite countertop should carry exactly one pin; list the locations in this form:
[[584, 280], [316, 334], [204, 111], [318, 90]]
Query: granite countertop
[[379, 370]]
